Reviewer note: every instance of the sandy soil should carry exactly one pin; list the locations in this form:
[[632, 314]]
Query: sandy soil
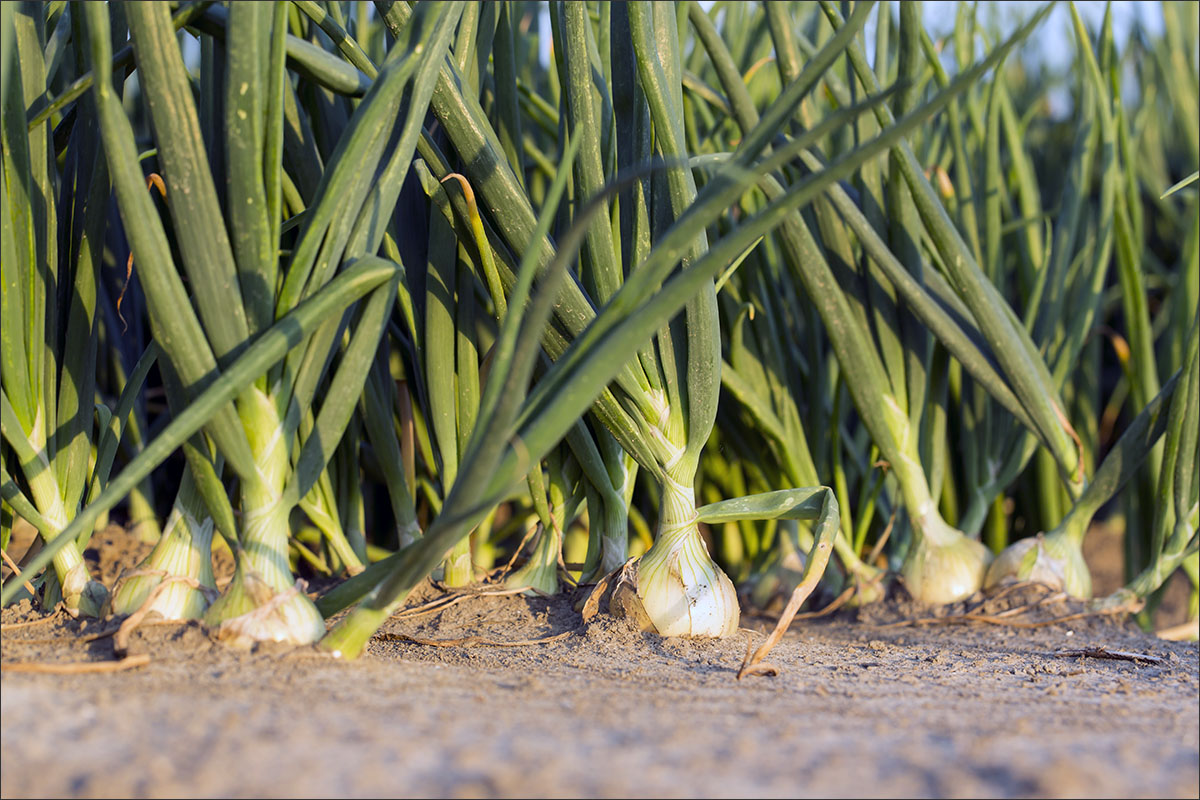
[[866, 704]]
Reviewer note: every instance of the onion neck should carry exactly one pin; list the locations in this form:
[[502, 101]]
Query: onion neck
[[676, 524], [540, 573], [80, 594], [458, 569], [677, 516], [265, 532]]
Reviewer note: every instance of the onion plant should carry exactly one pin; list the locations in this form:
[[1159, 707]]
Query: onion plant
[[1176, 532], [52, 225], [540, 572], [276, 438]]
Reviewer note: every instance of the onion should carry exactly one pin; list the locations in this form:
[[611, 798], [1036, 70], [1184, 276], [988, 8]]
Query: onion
[[678, 589], [943, 566], [1053, 559]]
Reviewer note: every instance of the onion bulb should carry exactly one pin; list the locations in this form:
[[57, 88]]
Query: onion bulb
[[253, 611], [943, 566], [676, 589], [1053, 559], [182, 556]]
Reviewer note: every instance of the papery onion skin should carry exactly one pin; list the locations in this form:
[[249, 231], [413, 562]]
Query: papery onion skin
[[252, 611]]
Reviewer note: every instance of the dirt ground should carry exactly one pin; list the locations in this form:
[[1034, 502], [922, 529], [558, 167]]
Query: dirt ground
[[866, 704]]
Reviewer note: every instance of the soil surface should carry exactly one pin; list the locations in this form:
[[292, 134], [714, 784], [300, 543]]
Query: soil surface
[[896, 701]]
